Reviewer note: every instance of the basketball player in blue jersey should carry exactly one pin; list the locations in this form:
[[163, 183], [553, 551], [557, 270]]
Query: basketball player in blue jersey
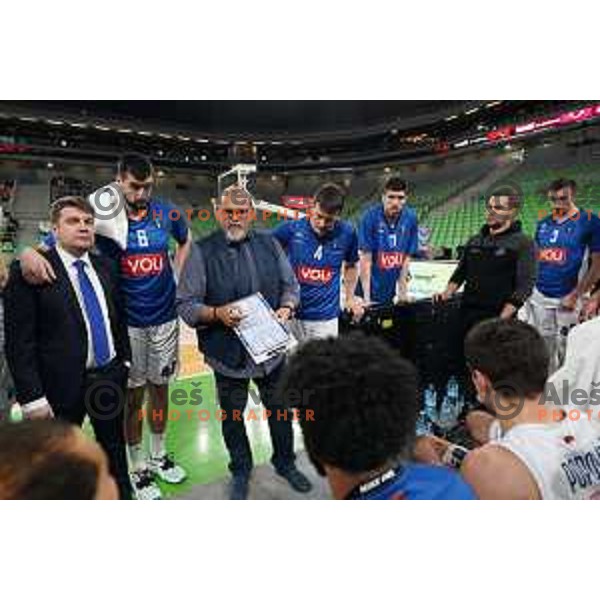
[[361, 429], [322, 250], [148, 284], [565, 240], [388, 236]]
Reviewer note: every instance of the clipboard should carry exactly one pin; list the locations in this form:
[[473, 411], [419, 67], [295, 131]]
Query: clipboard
[[261, 334]]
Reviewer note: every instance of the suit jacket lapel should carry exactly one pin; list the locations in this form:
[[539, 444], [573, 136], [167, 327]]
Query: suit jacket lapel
[[64, 282]]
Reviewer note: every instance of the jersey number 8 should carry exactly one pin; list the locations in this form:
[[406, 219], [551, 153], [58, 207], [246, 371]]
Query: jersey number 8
[[142, 237]]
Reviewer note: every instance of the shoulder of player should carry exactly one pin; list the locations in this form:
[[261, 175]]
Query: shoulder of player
[[159, 201], [446, 480], [496, 473], [346, 228], [590, 217], [161, 207], [547, 220], [370, 211], [286, 226], [410, 212]]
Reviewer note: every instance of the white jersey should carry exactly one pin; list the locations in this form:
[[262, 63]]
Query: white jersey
[[581, 371], [108, 203], [563, 458]]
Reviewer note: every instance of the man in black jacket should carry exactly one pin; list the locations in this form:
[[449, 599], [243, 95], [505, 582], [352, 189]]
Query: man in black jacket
[[66, 342], [498, 268]]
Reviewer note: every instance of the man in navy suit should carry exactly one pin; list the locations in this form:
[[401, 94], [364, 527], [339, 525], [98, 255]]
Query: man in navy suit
[[66, 342]]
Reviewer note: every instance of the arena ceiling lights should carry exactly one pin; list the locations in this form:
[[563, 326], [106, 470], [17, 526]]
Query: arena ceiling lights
[[503, 134]]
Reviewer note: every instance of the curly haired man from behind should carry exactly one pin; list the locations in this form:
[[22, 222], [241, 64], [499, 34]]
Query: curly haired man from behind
[[362, 430]]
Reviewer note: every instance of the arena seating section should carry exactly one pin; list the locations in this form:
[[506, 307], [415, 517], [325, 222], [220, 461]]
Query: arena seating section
[[454, 227], [440, 192]]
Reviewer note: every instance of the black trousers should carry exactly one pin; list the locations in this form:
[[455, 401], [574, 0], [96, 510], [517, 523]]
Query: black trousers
[[103, 400], [233, 395]]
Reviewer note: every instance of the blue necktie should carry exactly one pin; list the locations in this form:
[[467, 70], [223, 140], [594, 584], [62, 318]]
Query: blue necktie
[[94, 316]]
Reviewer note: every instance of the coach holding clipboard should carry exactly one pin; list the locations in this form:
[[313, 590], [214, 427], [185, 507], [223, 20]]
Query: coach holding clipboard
[[228, 265]]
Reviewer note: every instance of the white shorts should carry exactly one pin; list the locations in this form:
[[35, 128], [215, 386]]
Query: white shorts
[[314, 330], [552, 323], [154, 352]]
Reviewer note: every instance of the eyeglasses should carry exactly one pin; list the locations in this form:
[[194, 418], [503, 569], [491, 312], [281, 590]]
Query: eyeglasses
[[492, 209]]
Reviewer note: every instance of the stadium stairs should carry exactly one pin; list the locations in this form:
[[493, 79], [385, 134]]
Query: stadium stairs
[[454, 221], [31, 207]]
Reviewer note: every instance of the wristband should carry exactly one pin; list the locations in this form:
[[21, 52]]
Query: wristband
[[454, 456]]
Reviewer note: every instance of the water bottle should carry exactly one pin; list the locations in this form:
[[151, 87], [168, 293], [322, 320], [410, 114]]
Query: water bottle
[[450, 406], [446, 419], [430, 403], [454, 397], [423, 424]]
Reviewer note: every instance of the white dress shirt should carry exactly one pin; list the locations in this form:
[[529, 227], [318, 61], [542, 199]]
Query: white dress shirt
[[69, 261]]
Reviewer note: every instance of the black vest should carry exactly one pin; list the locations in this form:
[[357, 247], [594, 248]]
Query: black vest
[[224, 285]]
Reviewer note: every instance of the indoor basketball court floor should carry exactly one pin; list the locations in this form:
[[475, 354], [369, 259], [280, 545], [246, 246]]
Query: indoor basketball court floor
[[195, 441]]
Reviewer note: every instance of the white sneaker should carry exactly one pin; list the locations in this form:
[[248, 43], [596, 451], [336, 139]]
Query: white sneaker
[[164, 467], [144, 486]]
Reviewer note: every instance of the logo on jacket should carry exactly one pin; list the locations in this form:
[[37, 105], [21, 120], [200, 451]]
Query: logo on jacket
[[142, 265], [314, 275], [552, 255], [390, 260]]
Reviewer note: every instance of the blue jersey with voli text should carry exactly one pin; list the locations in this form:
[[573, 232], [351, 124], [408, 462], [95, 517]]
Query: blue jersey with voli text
[[147, 276], [561, 248], [415, 482], [389, 243], [317, 262]]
